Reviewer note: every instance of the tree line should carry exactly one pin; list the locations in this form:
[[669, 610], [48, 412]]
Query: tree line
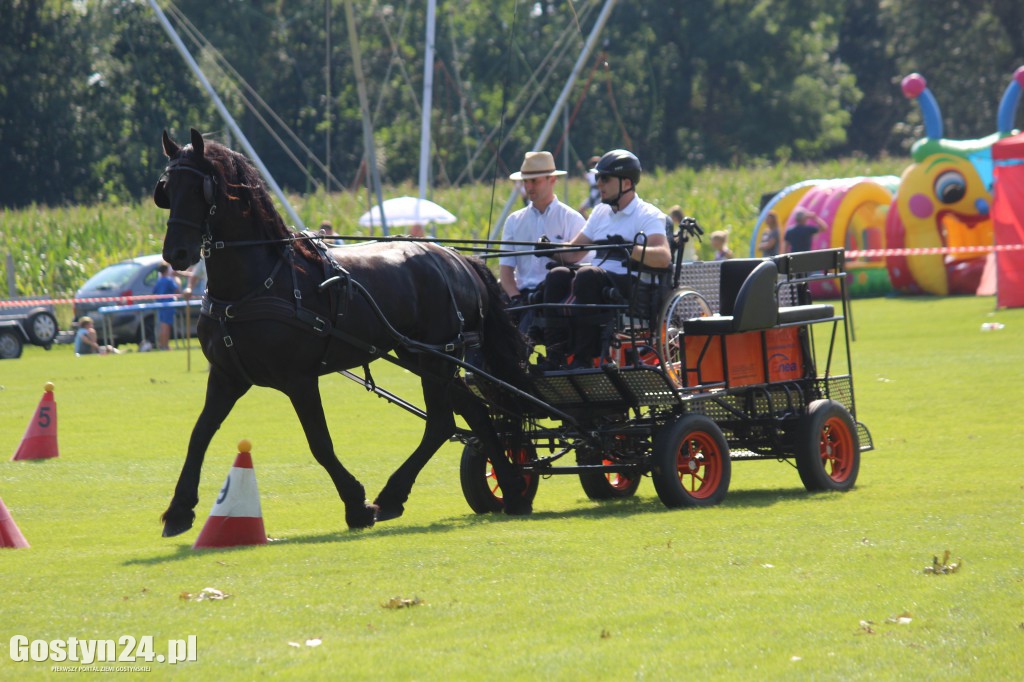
[[87, 86]]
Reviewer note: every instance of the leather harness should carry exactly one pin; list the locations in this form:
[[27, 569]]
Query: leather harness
[[260, 304]]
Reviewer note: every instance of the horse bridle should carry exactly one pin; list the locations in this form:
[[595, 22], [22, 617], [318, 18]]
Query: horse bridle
[[209, 196]]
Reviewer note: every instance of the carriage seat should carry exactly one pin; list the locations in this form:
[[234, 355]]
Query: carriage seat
[[799, 269], [797, 314], [748, 299]]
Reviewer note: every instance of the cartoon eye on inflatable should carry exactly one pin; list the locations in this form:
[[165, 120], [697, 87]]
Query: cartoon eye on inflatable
[[950, 187]]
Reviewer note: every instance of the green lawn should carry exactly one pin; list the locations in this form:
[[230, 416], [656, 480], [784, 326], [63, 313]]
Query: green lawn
[[772, 584]]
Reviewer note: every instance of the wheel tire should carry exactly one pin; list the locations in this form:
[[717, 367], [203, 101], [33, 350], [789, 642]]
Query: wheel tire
[[683, 304], [480, 484], [42, 328], [10, 345], [608, 486], [691, 463], [828, 448]]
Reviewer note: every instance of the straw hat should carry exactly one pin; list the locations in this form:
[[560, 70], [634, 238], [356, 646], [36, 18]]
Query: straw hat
[[536, 165]]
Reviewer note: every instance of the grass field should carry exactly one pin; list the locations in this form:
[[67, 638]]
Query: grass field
[[773, 584]]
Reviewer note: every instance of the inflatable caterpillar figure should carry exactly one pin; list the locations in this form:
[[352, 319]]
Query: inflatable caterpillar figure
[[944, 199]]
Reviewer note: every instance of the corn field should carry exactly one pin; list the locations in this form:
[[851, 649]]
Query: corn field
[[54, 250]]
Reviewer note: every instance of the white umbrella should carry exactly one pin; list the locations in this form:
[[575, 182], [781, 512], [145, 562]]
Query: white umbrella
[[407, 211]]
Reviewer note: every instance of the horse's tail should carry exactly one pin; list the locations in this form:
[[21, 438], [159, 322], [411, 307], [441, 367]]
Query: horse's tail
[[504, 348]]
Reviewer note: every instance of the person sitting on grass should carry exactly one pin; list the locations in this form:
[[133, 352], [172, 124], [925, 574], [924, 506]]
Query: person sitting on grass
[[85, 339]]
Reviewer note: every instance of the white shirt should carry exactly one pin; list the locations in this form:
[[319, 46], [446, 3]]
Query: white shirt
[[639, 216], [558, 222]]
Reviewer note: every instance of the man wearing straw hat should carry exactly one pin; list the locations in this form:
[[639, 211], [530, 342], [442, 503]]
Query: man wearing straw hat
[[545, 218]]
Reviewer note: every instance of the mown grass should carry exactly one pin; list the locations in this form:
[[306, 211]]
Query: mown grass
[[772, 584], [54, 250]]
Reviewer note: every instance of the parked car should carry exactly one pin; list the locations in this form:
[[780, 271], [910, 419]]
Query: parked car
[[133, 277], [32, 323]]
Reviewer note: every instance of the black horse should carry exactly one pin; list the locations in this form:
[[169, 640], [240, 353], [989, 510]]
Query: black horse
[[281, 311]]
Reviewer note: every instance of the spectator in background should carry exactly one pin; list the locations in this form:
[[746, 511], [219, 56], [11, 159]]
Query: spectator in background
[[593, 191], [196, 279], [85, 339], [799, 236], [676, 236], [167, 284], [769, 244], [720, 245]]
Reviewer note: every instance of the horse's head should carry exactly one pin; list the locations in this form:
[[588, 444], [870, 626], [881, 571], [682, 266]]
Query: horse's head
[[189, 189]]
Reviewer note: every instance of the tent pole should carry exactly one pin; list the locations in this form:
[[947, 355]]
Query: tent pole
[[232, 125], [549, 125]]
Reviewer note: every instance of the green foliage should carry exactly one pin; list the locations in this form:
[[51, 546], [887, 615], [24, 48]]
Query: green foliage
[[86, 87], [774, 584]]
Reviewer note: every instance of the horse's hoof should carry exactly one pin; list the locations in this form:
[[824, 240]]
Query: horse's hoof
[[518, 506], [362, 517], [172, 528], [386, 512]]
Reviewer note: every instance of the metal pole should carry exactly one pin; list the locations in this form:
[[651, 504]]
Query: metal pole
[[364, 107], [328, 109], [226, 115], [549, 125], [428, 99], [565, 150]]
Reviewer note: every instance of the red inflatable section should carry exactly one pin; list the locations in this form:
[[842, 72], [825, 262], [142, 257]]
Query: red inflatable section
[[1008, 219]]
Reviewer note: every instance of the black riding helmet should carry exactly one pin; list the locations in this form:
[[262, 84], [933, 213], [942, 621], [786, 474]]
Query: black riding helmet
[[619, 163]]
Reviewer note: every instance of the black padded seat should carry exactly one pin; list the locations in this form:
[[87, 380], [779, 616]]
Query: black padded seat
[[749, 301], [795, 314]]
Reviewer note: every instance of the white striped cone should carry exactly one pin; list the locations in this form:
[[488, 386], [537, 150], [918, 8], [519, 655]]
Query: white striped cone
[[236, 518]]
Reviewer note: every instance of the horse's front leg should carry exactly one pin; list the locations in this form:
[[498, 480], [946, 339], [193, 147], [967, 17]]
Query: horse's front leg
[[304, 392], [221, 395], [440, 426]]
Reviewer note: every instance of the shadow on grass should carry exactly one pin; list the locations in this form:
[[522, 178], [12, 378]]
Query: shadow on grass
[[595, 510]]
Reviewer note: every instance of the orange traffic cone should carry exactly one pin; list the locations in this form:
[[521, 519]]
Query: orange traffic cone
[[10, 536], [236, 517], [40, 439]]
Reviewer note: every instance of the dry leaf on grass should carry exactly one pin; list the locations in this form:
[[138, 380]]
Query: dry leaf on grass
[[944, 567], [400, 603]]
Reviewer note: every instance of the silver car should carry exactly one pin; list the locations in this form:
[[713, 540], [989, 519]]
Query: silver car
[[134, 277]]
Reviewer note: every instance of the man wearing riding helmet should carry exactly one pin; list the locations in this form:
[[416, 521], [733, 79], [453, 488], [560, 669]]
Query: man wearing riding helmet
[[620, 217]]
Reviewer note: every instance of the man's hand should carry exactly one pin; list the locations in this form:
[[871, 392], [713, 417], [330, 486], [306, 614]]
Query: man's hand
[[544, 248], [616, 247]]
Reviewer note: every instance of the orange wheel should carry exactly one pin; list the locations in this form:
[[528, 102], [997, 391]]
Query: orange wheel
[[608, 486], [480, 483], [692, 467], [828, 450]]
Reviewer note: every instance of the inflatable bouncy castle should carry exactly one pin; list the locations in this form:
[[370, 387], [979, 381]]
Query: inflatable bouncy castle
[[943, 200]]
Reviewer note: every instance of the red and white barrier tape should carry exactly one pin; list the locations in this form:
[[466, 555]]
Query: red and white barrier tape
[[934, 251], [120, 300]]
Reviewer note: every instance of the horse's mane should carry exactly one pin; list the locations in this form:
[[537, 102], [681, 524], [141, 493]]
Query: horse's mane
[[243, 184]]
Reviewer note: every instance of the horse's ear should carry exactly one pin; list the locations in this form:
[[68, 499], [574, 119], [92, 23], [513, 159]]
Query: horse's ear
[[198, 146], [170, 146]]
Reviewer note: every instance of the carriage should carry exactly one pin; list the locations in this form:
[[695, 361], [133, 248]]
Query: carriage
[[706, 362]]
